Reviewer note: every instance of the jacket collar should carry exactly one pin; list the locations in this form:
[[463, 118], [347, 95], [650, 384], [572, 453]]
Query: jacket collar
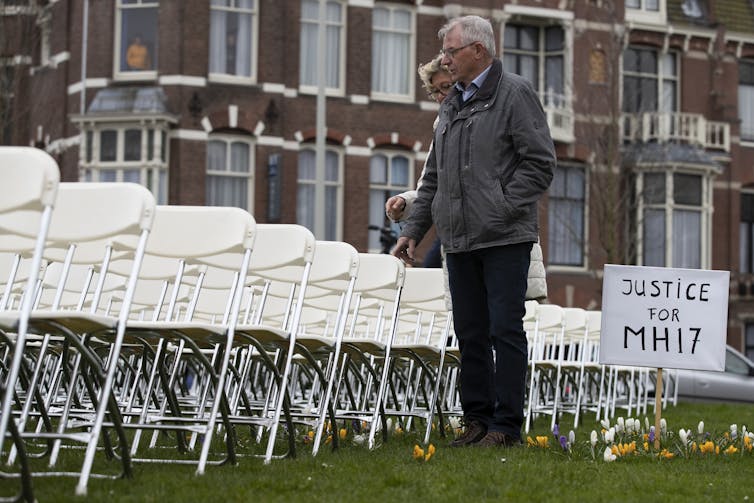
[[487, 91]]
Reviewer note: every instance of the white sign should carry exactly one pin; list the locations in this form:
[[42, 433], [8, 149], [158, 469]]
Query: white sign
[[664, 318]]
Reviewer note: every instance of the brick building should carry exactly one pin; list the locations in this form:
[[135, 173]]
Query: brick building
[[650, 102]]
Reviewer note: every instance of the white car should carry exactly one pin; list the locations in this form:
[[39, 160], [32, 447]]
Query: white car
[[736, 384]]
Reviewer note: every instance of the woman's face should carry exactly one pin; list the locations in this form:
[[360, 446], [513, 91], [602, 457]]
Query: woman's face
[[441, 85]]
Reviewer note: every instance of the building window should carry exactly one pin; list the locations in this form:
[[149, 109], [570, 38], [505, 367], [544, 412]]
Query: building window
[[746, 99], [537, 53], [232, 32], [307, 186], [746, 234], [389, 174], [674, 215], [334, 46], [126, 153], [566, 216], [230, 172], [392, 52], [136, 38], [650, 81], [647, 5]]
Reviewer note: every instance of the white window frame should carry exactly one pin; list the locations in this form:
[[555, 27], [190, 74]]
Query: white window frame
[[390, 187], [119, 74], [705, 209], [411, 72], [560, 114], [329, 91], [228, 140], [644, 14], [229, 78], [583, 239], [747, 137], [153, 173], [660, 77], [337, 184]]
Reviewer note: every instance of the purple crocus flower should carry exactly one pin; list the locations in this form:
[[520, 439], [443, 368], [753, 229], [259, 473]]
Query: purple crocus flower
[[556, 430], [651, 435], [564, 442]]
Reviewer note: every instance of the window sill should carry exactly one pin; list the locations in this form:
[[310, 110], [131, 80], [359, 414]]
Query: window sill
[[135, 76], [224, 78]]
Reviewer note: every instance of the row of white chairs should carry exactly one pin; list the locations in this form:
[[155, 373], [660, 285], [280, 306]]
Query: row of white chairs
[[120, 318], [565, 375]]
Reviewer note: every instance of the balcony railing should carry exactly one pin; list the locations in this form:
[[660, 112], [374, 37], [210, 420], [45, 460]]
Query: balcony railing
[[559, 111], [676, 127]]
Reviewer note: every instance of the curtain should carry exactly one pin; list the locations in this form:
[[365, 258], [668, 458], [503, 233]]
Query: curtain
[[217, 37], [309, 39], [391, 39], [243, 45], [746, 110], [687, 239], [654, 238]]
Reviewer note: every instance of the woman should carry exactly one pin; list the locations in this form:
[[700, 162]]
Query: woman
[[438, 82]]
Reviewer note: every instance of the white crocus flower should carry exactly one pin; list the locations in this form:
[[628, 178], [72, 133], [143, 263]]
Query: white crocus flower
[[608, 455], [663, 425], [683, 435], [593, 438], [646, 423], [359, 439], [571, 437], [619, 427], [455, 422], [700, 428], [605, 423], [734, 431]]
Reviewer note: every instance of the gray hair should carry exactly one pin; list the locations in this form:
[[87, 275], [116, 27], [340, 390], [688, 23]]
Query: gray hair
[[429, 70], [473, 29]]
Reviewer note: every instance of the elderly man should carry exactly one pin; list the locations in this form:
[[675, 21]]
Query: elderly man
[[493, 158]]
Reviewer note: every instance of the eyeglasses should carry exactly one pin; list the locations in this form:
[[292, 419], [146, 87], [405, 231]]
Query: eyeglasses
[[451, 53], [444, 89]]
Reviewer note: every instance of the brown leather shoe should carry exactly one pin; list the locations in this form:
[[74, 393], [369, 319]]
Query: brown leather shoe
[[472, 434], [498, 439]]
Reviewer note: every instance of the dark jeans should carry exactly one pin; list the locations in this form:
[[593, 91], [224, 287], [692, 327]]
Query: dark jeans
[[433, 258], [488, 289]]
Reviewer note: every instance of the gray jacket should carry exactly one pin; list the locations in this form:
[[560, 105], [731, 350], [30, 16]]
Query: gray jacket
[[492, 159]]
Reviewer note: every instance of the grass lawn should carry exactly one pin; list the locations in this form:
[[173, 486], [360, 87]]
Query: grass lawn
[[390, 473]]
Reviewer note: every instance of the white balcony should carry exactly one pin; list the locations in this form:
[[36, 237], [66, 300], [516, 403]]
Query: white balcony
[[677, 127], [559, 111]]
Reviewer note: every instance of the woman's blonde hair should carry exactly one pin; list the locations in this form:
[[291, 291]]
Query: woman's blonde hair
[[429, 70]]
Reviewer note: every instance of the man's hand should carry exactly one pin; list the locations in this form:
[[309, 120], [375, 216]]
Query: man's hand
[[404, 249], [394, 208]]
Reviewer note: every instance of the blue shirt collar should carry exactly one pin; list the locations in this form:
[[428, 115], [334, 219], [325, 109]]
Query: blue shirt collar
[[469, 91]]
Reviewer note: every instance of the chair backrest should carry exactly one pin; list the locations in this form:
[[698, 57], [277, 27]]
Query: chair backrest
[[29, 180]]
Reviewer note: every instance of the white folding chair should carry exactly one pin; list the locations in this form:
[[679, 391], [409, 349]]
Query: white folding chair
[[208, 250], [91, 224], [29, 181]]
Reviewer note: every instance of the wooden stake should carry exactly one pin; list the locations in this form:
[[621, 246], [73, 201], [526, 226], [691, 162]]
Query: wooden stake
[[658, 407]]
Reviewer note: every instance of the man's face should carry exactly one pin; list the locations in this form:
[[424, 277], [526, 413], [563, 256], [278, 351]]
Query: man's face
[[461, 59]]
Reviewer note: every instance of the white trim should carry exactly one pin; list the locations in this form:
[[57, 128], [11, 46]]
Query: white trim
[[427, 10], [272, 87], [369, 4], [182, 80], [359, 99], [17, 59], [417, 146], [259, 128], [271, 141], [189, 134], [60, 57], [358, 151], [291, 145], [77, 87], [234, 80], [206, 124], [233, 116], [62, 144], [523, 10], [429, 106], [347, 139]]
